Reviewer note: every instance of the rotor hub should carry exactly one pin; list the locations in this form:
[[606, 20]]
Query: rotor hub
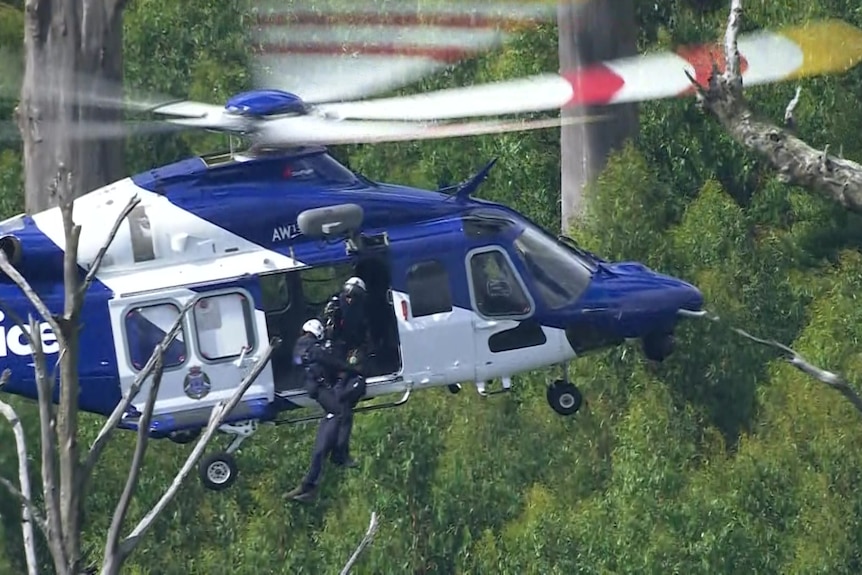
[[260, 103]]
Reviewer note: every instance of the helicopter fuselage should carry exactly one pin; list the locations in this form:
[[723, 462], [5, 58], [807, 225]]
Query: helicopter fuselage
[[459, 289]]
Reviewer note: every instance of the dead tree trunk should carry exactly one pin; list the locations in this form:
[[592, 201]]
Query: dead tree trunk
[[73, 54], [592, 32]]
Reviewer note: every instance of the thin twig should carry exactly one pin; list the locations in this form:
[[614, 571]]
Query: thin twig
[[115, 531], [795, 359], [7, 268], [100, 256], [366, 541], [29, 513], [33, 514], [789, 119]]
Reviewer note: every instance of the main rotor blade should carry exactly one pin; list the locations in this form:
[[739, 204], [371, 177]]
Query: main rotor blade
[[87, 90], [82, 131], [310, 130], [822, 47], [338, 49]]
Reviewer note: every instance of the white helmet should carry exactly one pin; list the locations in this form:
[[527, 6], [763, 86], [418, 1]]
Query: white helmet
[[354, 283], [314, 327]]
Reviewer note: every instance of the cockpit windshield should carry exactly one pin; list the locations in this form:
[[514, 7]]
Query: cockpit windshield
[[560, 275]]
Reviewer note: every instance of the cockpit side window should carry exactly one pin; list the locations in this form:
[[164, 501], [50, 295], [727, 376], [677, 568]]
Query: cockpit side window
[[559, 276], [496, 287]]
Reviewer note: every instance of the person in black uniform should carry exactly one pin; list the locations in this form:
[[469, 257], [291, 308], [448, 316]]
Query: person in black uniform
[[321, 366], [347, 327], [345, 317]]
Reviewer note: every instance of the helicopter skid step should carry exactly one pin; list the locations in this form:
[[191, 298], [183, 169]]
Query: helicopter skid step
[[320, 415], [192, 419], [482, 390]]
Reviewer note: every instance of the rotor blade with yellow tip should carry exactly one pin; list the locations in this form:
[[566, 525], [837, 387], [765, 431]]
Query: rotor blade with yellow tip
[[832, 46]]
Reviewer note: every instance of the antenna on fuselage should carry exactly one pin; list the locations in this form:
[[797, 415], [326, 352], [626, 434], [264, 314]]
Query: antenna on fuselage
[[464, 189]]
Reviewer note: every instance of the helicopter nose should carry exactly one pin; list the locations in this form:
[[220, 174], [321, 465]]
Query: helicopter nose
[[687, 297]]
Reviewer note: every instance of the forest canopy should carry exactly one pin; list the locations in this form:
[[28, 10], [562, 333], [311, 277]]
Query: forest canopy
[[722, 459]]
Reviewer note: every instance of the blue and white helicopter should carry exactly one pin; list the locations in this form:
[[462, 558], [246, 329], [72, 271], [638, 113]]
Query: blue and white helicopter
[[460, 290]]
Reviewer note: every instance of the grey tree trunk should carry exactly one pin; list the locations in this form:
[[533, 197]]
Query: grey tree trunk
[[592, 32], [73, 53]]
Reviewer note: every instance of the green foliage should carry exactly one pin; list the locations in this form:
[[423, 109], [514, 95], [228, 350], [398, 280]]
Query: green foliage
[[721, 460], [193, 49]]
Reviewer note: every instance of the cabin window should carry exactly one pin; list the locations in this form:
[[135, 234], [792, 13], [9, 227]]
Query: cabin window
[[146, 327], [428, 288], [141, 234], [275, 292], [497, 289], [224, 324]]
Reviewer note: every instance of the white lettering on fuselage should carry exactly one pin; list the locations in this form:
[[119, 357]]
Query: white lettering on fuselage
[[287, 232], [14, 341]]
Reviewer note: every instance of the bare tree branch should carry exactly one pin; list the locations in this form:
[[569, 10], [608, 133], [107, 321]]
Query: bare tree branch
[[796, 162], [33, 511], [789, 119], [731, 47], [7, 268], [795, 359], [67, 414], [51, 526], [115, 531], [110, 425], [97, 261], [219, 413], [48, 439], [29, 512], [366, 541], [72, 476]]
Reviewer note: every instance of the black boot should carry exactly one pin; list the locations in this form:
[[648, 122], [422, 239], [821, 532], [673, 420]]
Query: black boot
[[302, 493]]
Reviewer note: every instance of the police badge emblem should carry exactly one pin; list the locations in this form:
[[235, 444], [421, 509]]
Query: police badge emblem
[[197, 383]]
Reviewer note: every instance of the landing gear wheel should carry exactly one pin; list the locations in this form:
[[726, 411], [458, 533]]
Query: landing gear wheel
[[218, 471], [564, 398], [184, 436], [454, 388]]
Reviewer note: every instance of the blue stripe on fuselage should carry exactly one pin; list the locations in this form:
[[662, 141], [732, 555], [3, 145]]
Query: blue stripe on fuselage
[[42, 266]]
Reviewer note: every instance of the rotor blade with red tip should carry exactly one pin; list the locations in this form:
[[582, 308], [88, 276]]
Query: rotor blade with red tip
[[766, 57]]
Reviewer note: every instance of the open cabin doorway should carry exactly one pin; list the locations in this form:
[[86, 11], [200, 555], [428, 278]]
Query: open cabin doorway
[[290, 298]]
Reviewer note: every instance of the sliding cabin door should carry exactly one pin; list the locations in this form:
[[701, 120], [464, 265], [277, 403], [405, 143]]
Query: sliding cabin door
[[220, 338]]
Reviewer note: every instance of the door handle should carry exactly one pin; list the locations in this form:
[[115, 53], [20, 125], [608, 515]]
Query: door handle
[[244, 360]]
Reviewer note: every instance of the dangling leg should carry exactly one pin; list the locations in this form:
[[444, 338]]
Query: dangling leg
[[327, 436], [350, 392], [327, 433]]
